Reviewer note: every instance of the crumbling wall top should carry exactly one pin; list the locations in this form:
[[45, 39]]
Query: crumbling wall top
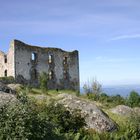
[[22, 44]]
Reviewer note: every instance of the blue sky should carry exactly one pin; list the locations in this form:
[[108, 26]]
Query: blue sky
[[106, 33]]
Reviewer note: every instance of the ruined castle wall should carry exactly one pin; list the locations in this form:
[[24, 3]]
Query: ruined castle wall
[[7, 63], [11, 60], [3, 66], [63, 70], [24, 63], [74, 70]]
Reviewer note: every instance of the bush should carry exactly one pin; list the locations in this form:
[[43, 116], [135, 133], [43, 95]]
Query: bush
[[87, 89], [96, 87], [65, 120], [133, 99], [22, 121], [7, 80], [103, 97], [92, 89], [25, 119], [43, 79], [117, 100]]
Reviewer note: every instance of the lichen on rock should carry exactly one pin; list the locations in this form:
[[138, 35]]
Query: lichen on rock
[[95, 118]]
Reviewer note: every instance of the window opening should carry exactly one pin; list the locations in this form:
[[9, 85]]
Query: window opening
[[50, 58], [65, 60], [34, 56], [65, 73], [5, 73], [5, 59], [51, 75]]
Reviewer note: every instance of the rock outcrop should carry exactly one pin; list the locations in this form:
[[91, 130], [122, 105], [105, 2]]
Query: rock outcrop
[[125, 110], [6, 95], [95, 118], [6, 99], [5, 89], [14, 87], [137, 110]]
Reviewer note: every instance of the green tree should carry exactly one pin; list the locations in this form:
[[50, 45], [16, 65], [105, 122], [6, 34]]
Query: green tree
[[133, 99], [96, 87], [93, 89], [87, 88], [43, 79]]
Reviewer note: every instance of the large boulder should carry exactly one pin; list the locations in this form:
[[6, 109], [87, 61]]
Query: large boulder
[[6, 99], [14, 87], [137, 110], [122, 110], [5, 89], [6, 95], [95, 118]]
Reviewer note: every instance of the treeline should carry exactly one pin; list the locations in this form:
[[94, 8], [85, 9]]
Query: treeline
[[93, 91]]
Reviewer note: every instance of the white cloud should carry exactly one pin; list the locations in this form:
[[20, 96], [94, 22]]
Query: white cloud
[[115, 60], [122, 37]]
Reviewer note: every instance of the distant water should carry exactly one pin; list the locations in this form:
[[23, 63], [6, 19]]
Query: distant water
[[121, 90]]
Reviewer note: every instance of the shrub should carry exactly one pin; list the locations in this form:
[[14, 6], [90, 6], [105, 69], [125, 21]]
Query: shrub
[[43, 79], [87, 89], [103, 97], [65, 120], [94, 88], [133, 99], [117, 100], [7, 80], [25, 119], [22, 121]]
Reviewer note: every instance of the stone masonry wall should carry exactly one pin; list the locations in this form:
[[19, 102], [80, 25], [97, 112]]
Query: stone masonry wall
[[11, 60], [7, 63], [3, 66], [63, 70]]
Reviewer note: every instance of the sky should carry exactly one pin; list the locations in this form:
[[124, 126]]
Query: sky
[[105, 32]]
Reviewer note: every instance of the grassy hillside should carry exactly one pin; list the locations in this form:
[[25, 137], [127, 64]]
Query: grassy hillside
[[36, 116], [128, 126]]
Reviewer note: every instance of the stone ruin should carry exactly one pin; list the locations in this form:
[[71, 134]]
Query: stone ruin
[[26, 62]]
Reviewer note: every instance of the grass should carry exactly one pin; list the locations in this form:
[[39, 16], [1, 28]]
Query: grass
[[48, 96], [37, 92], [123, 122], [51, 92]]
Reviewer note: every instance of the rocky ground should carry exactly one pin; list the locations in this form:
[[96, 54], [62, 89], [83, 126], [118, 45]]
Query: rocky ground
[[7, 95], [5, 88], [124, 110], [95, 117]]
